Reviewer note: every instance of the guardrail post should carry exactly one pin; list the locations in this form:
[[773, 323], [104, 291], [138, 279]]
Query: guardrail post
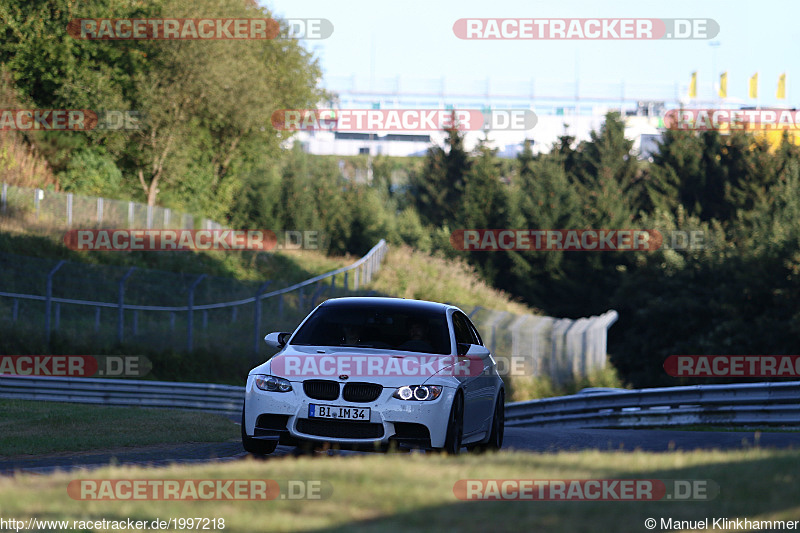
[[355, 278], [333, 283], [190, 316], [234, 312], [558, 336], [346, 284], [121, 305], [257, 319], [15, 310], [99, 211], [135, 322], [172, 321], [49, 298], [301, 297], [538, 350], [166, 218], [4, 198], [149, 217], [58, 317], [96, 319], [205, 319], [130, 215], [317, 293]]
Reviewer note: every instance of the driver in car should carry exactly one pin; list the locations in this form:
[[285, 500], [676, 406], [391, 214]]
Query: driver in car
[[418, 337], [352, 336]]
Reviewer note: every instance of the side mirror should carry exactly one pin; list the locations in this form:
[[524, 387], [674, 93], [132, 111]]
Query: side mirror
[[463, 348], [276, 339]]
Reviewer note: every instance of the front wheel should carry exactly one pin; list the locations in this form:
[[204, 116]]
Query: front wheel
[[256, 446], [455, 427]]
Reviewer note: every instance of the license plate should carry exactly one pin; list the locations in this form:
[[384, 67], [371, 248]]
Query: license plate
[[336, 412]]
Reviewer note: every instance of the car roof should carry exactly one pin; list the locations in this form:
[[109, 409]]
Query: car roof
[[386, 302]]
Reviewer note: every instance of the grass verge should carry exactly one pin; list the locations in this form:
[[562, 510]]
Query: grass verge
[[415, 492], [35, 428], [409, 273]]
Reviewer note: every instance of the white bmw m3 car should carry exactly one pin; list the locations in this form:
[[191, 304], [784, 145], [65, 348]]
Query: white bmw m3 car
[[366, 372]]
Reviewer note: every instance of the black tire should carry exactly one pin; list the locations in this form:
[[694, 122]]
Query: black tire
[[498, 423], [455, 426], [257, 446], [495, 441]]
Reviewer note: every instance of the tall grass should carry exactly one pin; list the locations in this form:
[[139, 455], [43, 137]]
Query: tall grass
[[20, 163]]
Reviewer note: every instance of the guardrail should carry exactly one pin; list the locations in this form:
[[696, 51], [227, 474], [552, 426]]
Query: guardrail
[[221, 399], [363, 271], [732, 405], [757, 404]]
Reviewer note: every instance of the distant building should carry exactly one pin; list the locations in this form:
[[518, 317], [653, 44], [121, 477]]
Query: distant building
[[642, 126]]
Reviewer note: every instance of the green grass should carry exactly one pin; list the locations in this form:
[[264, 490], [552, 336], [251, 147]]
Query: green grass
[[415, 492], [409, 273], [19, 235], [34, 428]]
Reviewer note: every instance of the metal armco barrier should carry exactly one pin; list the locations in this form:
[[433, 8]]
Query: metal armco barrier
[[221, 399], [733, 405], [760, 404]]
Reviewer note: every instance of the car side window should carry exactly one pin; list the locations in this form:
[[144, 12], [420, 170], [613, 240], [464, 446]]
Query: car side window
[[462, 329], [475, 333]]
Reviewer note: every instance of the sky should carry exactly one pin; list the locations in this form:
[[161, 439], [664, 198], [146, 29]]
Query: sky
[[414, 40]]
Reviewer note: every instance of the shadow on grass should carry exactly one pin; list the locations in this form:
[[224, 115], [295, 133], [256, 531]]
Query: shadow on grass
[[764, 488]]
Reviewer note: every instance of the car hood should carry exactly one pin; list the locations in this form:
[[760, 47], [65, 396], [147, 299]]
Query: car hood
[[390, 368]]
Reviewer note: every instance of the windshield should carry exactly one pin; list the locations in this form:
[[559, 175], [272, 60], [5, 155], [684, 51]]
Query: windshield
[[372, 327]]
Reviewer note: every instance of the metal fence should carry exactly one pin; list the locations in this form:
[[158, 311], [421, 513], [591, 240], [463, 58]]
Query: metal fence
[[105, 305], [561, 349], [754, 404], [69, 210], [166, 309], [221, 399], [115, 305]]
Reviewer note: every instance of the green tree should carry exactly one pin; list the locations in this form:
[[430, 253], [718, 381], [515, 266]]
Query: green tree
[[437, 191]]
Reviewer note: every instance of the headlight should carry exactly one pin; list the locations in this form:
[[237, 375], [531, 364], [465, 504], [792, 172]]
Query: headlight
[[422, 393], [273, 384]]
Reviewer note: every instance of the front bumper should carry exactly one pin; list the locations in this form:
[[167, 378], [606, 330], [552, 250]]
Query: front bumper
[[283, 416]]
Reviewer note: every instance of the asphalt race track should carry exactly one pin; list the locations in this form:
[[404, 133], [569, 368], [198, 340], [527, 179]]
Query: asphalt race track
[[526, 439]]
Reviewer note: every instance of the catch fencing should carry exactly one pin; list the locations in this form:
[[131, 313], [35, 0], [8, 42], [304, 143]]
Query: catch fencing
[[52, 296], [103, 305], [560, 348], [67, 210]]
